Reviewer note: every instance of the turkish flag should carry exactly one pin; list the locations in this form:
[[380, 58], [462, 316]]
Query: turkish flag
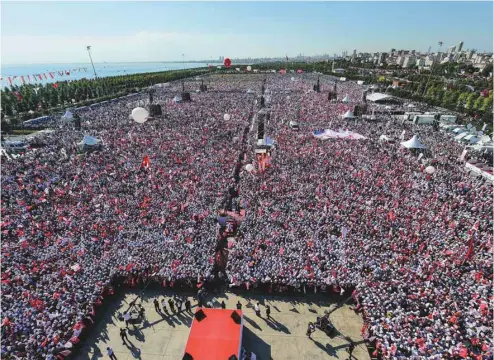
[[145, 162], [55, 85], [470, 250]]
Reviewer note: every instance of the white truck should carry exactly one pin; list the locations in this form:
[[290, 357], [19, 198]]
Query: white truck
[[423, 119], [408, 116], [451, 119]]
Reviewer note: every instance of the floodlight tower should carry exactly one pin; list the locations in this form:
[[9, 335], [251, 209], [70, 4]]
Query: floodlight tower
[[89, 52]]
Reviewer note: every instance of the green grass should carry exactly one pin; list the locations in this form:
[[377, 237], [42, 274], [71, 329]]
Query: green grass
[[23, 131]]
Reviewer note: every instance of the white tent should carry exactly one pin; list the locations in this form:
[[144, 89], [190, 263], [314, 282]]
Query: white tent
[[458, 129], [346, 99], [413, 143], [67, 117], [348, 115], [472, 139], [461, 136]]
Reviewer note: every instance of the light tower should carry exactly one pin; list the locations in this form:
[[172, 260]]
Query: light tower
[[90, 58]]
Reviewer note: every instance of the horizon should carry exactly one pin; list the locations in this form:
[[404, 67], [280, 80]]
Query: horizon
[[207, 31]]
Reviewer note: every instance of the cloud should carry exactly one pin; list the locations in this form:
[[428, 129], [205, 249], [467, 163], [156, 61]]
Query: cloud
[[141, 46]]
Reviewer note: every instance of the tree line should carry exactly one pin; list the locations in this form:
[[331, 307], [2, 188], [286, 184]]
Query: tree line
[[20, 103]]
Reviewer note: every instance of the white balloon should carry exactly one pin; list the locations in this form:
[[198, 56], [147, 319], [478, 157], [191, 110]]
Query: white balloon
[[226, 117], [430, 170], [249, 68], [140, 115], [293, 79], [249, 167]]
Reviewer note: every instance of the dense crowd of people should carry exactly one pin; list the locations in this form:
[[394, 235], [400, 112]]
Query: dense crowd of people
[[364, 213], [333, 214]]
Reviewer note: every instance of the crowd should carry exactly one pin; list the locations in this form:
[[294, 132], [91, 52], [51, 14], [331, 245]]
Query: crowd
[[335, 214], [362, 213], [73, 222]]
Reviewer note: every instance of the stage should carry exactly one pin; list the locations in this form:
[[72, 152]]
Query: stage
[[216, 336], [165, 337]]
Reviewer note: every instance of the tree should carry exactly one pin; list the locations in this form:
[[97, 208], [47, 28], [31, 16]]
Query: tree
[[470, 100], [487, 70], [487, 105], [478, 103], [460, 104]]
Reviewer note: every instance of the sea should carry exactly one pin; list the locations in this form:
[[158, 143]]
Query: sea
[[77, 71]]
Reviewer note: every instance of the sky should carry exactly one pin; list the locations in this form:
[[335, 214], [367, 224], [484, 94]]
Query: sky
[[58, 32]]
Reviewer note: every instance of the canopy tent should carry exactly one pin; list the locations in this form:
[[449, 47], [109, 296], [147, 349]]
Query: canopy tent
[[89, 143], [340, 134], [461, 136], [68, 115], [346, 99], [382, 98], [266, 142], [348, 115], [472, 139], [458, 129], [413, 143]]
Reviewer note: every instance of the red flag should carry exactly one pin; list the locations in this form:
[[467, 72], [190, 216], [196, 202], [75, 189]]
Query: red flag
[[10, 81], [51, 75], [40, 77], [55, 85], [470, 251], [145, 162], [23, 81], [46, 78], [17, 95], [67, 72]]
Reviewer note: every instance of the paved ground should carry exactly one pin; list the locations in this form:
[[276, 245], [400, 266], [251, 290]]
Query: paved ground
[[283, 338]]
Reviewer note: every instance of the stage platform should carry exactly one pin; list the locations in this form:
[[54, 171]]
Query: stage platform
[[165, 337], [216, 337]]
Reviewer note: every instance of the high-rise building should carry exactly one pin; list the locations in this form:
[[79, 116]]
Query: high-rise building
[[429, 60], [354, 53], [459, 46], [408, 61], [451, 49]]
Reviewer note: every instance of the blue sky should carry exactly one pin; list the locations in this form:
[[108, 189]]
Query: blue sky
[[52, 32]]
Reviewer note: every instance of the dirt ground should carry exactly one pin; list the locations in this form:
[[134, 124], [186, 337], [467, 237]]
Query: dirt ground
[[283, 337]]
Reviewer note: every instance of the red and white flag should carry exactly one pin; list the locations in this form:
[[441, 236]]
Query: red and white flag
[[145, 162]]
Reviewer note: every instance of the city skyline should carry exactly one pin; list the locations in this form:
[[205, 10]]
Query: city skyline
[[149, 32]]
